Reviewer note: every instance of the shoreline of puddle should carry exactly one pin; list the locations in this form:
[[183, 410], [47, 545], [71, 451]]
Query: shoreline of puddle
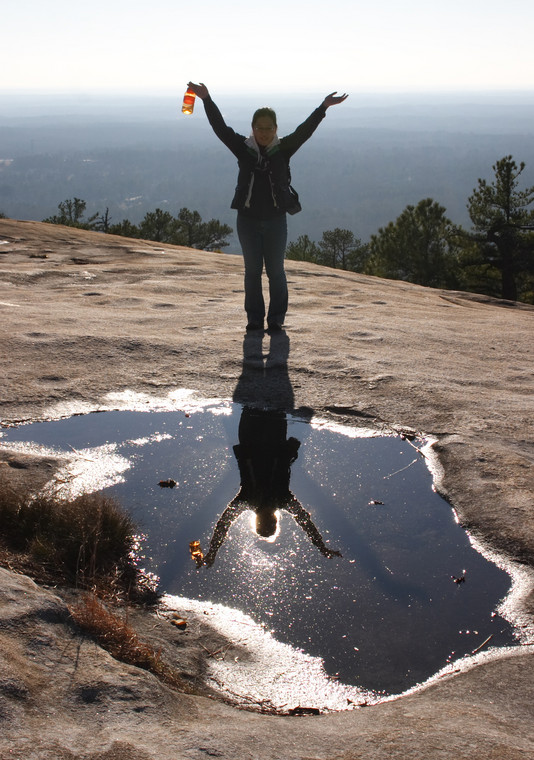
[[226, 680]]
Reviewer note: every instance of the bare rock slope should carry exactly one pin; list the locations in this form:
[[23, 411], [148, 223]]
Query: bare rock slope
[[85, 314]]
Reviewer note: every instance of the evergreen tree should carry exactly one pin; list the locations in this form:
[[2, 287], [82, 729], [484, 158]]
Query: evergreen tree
[[186, 229], [193, 232], [125, 228], [340, 248], [71, 214], [421, 246], [159, 226], [501, 221], [303, 249]]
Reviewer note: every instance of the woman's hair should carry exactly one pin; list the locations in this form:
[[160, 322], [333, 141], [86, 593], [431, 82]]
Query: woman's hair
[[265, 111]]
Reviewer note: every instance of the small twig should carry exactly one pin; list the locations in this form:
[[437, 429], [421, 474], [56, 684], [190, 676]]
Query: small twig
[[222, 650], [482, 645], [87, 459], [386, 477], [404, 438]]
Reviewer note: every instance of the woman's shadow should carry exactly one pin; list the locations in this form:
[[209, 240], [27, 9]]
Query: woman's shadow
[[264, 381], [264, 453]]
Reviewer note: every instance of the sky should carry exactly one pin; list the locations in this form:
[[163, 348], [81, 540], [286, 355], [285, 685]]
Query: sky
[[286, 46]]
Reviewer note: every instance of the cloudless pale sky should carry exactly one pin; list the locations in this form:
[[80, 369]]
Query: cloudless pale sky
[[289, 46]]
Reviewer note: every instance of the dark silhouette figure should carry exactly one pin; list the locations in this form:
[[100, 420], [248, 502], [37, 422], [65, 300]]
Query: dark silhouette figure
[[264, 453]]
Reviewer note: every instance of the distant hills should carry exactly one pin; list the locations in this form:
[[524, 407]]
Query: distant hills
[[370, 158]]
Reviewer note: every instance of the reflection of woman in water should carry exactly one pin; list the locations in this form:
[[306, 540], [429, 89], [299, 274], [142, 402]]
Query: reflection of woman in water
[[265, 455]]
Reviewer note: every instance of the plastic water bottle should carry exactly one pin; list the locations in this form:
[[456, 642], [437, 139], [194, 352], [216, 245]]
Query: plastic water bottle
[[189, 102]]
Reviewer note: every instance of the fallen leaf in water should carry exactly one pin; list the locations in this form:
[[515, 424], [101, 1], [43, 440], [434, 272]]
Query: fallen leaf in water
[[170, 483]]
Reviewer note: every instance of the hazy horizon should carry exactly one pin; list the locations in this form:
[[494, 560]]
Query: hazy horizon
[[370, 158], [492, 110]]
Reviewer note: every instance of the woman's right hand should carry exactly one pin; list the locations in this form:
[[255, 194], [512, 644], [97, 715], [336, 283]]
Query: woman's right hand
[[200, 90]]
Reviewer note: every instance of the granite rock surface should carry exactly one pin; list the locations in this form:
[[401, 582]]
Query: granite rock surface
[[86, 315]]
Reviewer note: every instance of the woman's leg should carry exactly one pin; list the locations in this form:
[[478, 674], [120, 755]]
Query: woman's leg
[[274, 249], [250, 236]]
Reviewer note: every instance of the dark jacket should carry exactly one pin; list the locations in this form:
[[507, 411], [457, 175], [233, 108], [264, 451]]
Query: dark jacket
[[273, 163]]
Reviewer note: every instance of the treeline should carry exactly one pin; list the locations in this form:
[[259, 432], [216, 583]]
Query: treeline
[[187, 228], [423, 246]]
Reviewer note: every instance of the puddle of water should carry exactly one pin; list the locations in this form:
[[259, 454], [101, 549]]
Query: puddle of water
[[384, 616]]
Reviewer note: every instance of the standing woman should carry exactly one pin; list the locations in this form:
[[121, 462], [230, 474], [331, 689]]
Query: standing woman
[[262, 198]]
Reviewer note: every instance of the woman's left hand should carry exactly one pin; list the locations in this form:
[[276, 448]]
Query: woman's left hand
[[334, 99]]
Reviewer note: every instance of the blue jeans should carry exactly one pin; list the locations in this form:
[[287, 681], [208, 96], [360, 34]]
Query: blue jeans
[[264, 242]]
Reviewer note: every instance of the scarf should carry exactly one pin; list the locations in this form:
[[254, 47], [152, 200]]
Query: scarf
[[251, 142]]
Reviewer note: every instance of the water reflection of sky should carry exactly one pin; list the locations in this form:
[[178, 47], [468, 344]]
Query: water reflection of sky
[[385, 616]]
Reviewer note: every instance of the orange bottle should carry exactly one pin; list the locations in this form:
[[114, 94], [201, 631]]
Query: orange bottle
[[196, 552], [189, 102]]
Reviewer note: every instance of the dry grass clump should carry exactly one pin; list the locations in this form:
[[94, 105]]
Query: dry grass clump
[[115, 635], [87, 541]]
